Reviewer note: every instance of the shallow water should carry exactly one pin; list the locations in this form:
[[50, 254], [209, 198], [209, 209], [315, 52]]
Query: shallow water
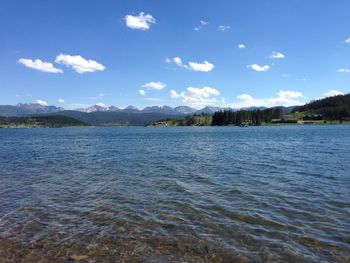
[[180, 194]]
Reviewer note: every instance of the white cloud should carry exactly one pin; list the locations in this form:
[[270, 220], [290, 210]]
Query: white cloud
[[154, 85], [41, 102], [141, 22], [204, 67], [196, 97], [277, 55], [79, 64], [153, 99], [286, 98], [282, 98], [343, 70], [178, 61], [202, 24], [347, 41], [256, 67], [141, 92], [241, 46], [101, 104], [223, 28], [332, 93], [61, 100], [39, 65], [245, 97], [174, 94]]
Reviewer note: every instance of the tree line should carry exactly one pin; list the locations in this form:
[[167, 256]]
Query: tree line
[[331, 108], [49, 121], [252, 117]]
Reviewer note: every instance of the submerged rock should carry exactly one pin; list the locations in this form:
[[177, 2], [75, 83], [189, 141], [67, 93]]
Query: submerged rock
[[79, 257]]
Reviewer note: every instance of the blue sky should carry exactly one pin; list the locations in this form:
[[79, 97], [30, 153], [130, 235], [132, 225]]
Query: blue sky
[[184, 52]]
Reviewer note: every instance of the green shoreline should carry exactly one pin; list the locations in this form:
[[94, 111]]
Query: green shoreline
[[262, 125], [49, 121], [172, 123], [167, 124]]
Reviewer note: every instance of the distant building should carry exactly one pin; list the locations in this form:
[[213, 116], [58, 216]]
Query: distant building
[[314, 117]]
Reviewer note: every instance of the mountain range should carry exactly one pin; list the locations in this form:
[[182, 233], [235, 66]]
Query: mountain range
[[150, 109], [24, 109], [108, 115]]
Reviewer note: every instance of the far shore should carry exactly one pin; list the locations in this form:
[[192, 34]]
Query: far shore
[[299, 123], [166, 125]]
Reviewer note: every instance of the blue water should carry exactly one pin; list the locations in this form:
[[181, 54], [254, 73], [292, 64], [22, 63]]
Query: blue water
[[176, 194]]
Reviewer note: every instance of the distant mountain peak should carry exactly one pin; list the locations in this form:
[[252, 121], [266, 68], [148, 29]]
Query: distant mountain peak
[[131, 107], [185, 110], [113, 108], [159, 109], [209, 109], [94, 108], [24, 109]]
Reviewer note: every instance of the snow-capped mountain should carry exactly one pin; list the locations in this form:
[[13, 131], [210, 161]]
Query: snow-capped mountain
[[185, 110]]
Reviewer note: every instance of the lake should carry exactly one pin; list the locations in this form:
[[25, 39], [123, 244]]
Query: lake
[[175, 194]]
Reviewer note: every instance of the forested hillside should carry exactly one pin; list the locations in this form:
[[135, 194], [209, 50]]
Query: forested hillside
[[254, 117], [327, 110], [50, 121], [228, 117], [331, 108]]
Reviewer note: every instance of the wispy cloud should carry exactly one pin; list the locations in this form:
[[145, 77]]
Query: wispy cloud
[[41, 102], [282, 98], [245, 97], [343, 70], [141, 22], [256, 67], [241, 46], [153, 99], [332, 93], [223, 28], [154, 85], [39, 65], [205, 66], [347, 41], [178, 61], [61, 100], [197, 97], [141, 92], [202, 24], [79, 64], [277, 55]]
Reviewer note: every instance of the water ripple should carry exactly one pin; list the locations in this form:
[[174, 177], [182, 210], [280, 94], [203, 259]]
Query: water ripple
[[185, 194]]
